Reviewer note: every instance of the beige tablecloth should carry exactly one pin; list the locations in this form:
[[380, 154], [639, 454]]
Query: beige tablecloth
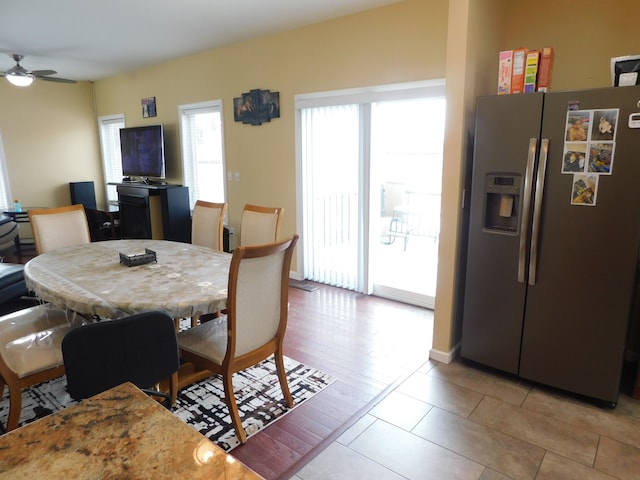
[[186, 280]]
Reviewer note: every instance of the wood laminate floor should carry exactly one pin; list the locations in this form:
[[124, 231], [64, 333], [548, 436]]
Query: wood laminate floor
[[368, 344]]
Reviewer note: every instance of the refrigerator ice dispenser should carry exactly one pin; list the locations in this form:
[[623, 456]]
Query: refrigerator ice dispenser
[[502, 203]]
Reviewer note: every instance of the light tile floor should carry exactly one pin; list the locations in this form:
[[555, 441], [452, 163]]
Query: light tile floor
[[458, 422]]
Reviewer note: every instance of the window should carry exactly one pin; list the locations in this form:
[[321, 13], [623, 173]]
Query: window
[[6, 201], [203, 151], [111, 160]]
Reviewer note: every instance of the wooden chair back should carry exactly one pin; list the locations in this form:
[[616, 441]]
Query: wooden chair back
[[60, 227], [207, 224], [257, 302], [260, 225]]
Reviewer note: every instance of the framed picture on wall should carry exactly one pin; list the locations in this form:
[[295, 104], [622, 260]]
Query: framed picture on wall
[[625, 70], [256, 106], [149, 107]]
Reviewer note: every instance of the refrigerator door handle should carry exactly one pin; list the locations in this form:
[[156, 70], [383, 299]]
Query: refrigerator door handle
[[526, 209], [537, 210]]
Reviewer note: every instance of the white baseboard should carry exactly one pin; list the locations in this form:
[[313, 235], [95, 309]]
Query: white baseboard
[[444, 357], [295, 276]]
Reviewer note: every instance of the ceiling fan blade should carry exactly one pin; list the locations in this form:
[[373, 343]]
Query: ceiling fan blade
[[40, 73], [57, 79], [17, 70]]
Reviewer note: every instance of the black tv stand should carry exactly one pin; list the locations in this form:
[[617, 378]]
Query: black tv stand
[[154, 211]]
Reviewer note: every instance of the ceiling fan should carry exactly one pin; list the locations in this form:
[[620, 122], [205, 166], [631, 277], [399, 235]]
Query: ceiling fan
[[22, 77]]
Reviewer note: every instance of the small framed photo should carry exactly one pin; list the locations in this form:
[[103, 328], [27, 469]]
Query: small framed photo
[[149, 107], [624, 70]]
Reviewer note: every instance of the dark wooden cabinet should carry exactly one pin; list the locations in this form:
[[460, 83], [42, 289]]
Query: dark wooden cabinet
[[154, 211]]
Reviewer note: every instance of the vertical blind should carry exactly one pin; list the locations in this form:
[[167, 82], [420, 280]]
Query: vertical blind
[[6, 202], [330, 144], [111, 157]]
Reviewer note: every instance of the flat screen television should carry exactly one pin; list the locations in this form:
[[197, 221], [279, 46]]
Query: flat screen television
[[142, 150]]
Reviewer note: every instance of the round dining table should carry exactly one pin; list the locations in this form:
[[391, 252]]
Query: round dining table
[[184, 280]]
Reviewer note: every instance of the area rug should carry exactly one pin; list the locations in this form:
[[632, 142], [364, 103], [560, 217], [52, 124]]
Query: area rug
[[201, 405]]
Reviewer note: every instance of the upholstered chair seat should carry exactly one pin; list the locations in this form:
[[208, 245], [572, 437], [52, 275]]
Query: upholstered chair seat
[[30, 350], [209, 340]]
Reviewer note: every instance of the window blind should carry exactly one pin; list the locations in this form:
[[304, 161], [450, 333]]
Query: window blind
[[330, 176], [6, 202], [109, 127], [203, 151]]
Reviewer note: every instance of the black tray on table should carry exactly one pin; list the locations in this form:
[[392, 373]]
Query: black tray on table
[[149, 256]]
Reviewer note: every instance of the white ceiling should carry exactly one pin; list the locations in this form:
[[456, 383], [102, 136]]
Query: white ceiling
[[94, 39]]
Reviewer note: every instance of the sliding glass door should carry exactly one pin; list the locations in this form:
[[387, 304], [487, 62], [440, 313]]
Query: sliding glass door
[[406, 178], [369, 180]]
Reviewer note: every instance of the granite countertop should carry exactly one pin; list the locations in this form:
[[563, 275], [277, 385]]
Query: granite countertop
[[120, 433]]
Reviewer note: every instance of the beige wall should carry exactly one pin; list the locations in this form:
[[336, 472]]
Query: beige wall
[[401, 43], [50, 139], [585, 35], [475, 32]]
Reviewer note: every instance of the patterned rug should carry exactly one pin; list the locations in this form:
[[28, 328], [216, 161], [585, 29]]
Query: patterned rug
[[201, 405]]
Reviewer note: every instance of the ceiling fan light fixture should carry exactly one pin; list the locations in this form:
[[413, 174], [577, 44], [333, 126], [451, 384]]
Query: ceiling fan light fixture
[[20, 79]]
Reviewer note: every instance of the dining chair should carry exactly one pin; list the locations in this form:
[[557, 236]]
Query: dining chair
[[59, 227], [30, 350], [207, 228], [254, 326], [207, 225], [141, 349], [260, 225]]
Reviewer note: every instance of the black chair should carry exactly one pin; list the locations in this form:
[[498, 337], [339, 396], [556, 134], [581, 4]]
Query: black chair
[[141, 349], [84, 193], [12, 283]]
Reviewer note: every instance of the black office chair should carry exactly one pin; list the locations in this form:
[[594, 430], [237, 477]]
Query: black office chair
[[141, 349]]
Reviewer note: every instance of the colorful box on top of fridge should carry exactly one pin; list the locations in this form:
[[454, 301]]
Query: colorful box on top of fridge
[[544, 72], [505, 68], [517, 77], [531, 71]]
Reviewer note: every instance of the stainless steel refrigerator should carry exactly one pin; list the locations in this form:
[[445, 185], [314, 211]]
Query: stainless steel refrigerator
[[554, 230]]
